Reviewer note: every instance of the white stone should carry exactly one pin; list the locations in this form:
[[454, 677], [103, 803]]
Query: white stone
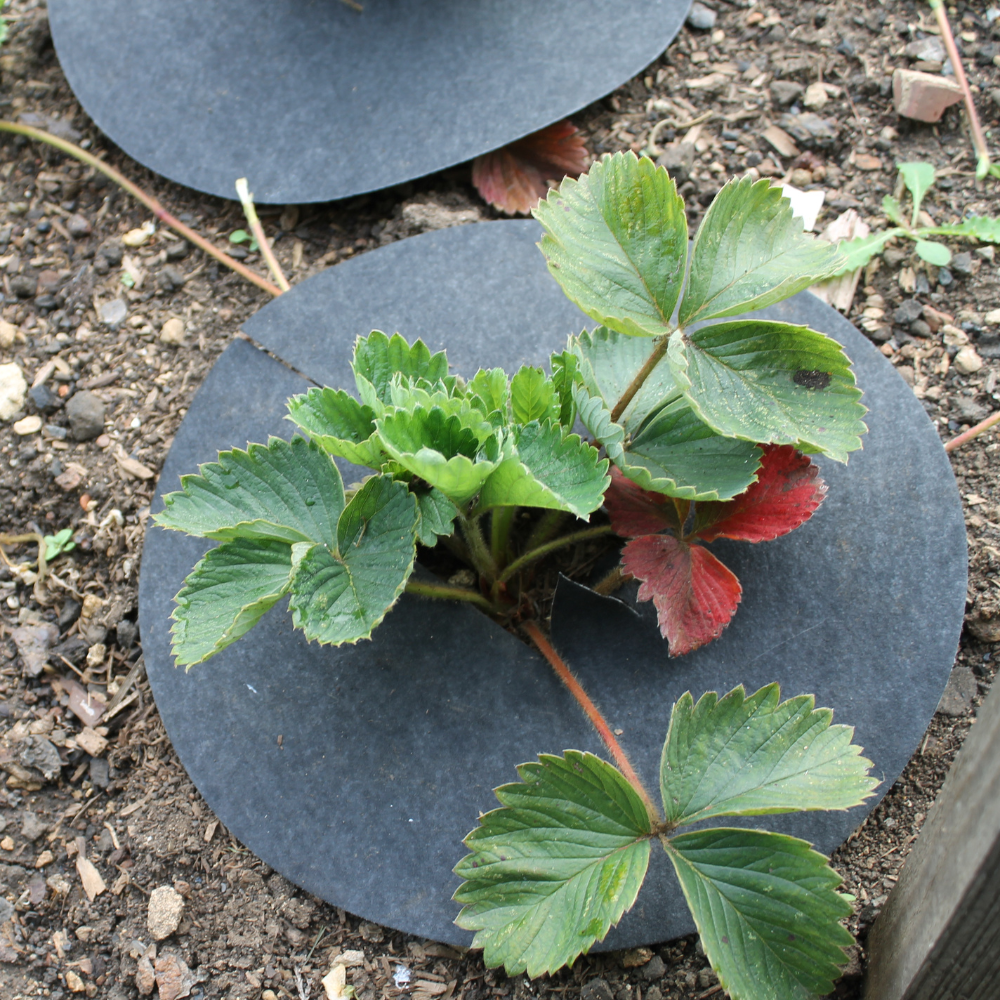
[[967, 361], [993, 317], [29, 425], [172, 332], [166, 907], [815, 96], [8, 333], [13, 390]]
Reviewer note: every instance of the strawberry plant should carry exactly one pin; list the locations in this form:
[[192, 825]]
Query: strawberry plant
[[699, 420]]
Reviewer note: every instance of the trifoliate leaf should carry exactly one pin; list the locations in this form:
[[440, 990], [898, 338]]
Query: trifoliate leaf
[[919, 179], [609, 363], [767, 912], [226, 594], [616, 241], [413, 397], [437, 516], [439, 449], [934, 253], [695, 596], [339, 424], [748, 756], [378, 357], [550, 468], [679, 454], [291, 486], [556, 867], [750, 252], [338, 596], [532, 396], [565, 370], [787, 492], [772, 383]]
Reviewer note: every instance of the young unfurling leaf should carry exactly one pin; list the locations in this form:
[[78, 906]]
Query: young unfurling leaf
[[377, 358]]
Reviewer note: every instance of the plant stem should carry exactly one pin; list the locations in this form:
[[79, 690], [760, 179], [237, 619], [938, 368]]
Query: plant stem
[[479, 554], [557, 543], [148, 200], [978, 139], [548, 524], [644, 372], [500, 521], [246, 200], [593, 713], [445, 592], [973, 432], [607, 585]]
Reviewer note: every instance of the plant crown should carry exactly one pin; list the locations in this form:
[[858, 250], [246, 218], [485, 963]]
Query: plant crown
[[680, 408]]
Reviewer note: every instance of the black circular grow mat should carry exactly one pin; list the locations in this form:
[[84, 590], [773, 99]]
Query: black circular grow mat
[[312, 100], [355, 772]]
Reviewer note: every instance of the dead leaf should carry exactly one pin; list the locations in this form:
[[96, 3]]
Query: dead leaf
[[93, 884], [513, 178]]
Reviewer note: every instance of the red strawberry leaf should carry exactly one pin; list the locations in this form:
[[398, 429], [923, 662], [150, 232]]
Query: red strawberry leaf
[[787, 492], [694, 594], [635, 511], [513, 178]]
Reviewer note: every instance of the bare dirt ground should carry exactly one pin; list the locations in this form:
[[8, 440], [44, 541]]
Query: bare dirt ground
[[109, 804]]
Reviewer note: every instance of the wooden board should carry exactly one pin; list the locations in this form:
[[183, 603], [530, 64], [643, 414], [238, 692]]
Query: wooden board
[[938, 937]]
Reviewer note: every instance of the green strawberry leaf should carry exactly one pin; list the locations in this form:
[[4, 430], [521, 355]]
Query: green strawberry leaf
[[748, 756], [437, 447], [919, 179], [565, 370], [226, 594], [616, 241], [489, 392], [553, 869], [767, 911], [437, 516], [609, 363], [339, 424], [771, 383], [750, 252], [532, 396], [934, 253], [288, 490], [678, 454], [595, 415], [378, 357], [339, 596], [550, 468]]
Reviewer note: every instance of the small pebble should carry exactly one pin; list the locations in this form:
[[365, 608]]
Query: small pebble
[[29, 425], [701, 17]]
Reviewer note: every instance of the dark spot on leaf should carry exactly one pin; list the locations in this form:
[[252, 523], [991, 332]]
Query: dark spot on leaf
[[724, 939], [791, 937], [475, 864], [811, 379], [503, 857]]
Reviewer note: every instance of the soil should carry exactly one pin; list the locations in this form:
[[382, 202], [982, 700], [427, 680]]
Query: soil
[[116, 795]]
